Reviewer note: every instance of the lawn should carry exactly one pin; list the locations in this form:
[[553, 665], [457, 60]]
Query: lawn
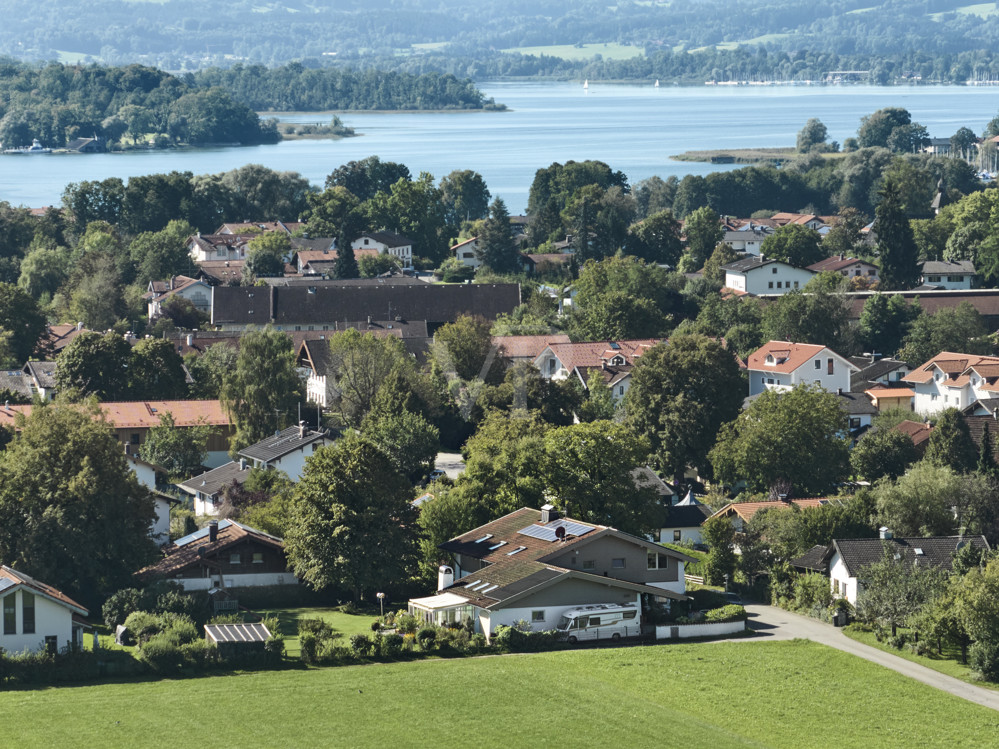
[[346, 624], [609, 51], [948, 663], [759, 694]]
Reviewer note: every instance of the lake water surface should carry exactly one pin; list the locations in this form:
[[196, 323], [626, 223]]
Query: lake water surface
[[631, 128]]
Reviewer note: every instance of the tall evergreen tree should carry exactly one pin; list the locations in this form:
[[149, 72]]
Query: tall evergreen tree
[[986, 465], [950, 443], [896, 245], [497, 250], [345, 265]]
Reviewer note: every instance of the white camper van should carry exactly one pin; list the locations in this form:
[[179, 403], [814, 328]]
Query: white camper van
[[600, 621]]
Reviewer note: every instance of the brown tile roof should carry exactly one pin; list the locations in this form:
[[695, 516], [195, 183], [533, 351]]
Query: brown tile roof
[[527, 346], [954, 365], [885, 392], [838, 262], [747, 510], [594, 353], [145, 414], [199, 549], [60, 336], [984, 301], [918, 431], [14, 577], [788, 356]]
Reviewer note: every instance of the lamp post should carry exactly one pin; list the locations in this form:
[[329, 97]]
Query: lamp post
[[381, 602]]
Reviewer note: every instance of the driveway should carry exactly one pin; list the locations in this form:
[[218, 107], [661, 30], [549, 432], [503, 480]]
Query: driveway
[[773, 623], [451, 463]]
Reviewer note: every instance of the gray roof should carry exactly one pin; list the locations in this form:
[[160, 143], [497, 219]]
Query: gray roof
[[312, 243], [814, 559], [319, 283], [943, 267], [937, 551], [16, 381], [43, 372], [284, 442], [871, 371], [323, 304], [752, 262], [686, 516], [211, 482], [856, 403], [387, 238]]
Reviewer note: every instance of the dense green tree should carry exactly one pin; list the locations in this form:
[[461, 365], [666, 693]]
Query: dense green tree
[[556, 402], [656, 239], [812, 136], [337, 213], [963, 140], [883, 452], [451, 512], [414, 209], [681, 393], [817, 317], [95, 364], [181, 451], [265, 194], [465, 347], [353, 525], [22, 324], [96, 291], [951, 329], [409, 440], [719, 534], [367, 177], [555, 186], [465, 197], [89, 201], [691, 195], [885, 322], [155, 371], [950, 443], [345, 266], [784, 442], [790, 531], [496, 248], [795, 244], [655, 195], [160, 255], [71, 511], [921, 502], [599, 403], [896, 245], [209, 369], [876, 129], [895, 591], [262, 391], [703, 232], [713, 267], [588, 471]]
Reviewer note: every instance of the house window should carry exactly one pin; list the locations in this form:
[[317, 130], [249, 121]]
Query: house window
[[778, 284], [589, 564], [134, 438], [258, 557], [27, 612], [653, 560], [829, 366], [818, 364], [677, 537], [771, 285], [934, 279], [618, 563], [955, 279], [774, 270], [10, 615], [234, 558], [795, 284], [854, 423], [538, 616], [770, 380]]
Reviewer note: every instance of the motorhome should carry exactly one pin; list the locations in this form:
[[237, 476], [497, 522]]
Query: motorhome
[[601, 621]]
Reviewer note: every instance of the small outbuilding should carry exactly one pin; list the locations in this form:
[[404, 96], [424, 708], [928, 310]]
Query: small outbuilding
[[237, 639]]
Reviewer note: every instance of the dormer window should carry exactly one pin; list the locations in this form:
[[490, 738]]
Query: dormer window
[[617, 361], [770, 359]]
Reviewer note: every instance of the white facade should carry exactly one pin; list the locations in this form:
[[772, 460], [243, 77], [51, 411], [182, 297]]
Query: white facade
[[146, 474], [842, 584], [941, 392], [772, 278], [237, 581], [404, 252], [825, 368], [677, 535], [53, 619], [747, 240], [540, 618], [952, 280], [293, 463], [198, 293], [468, 253]]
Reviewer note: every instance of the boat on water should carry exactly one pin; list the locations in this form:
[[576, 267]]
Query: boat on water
[[35, 147], [657, 83], [586, 84]]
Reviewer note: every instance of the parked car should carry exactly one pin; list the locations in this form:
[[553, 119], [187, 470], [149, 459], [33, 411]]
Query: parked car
[[734, 598]]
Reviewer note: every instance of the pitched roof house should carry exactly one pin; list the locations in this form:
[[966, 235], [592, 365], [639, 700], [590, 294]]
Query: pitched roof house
[[225, 554], [951, 380], [684, 520], [780, 365], [614, 360], [942, 274], [387, 243], [850, 267], [757, 274], [534, 564], [518, 348], [160, 293], [741, 513], [35, 616]]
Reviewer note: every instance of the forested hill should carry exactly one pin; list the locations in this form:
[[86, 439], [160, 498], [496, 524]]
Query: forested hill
[[192, 34], [57, 103]]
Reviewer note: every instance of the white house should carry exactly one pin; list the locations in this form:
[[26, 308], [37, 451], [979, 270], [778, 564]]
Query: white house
[[36, 616], [758, 274], [747, 238], [146, 474], [614, 360], [225, 554], [780, 365], [951, 380], [533, 565], [467, 252], [208, 487], [684, 521], [947, 275], [849, 267], [387, 242], [194, 290]]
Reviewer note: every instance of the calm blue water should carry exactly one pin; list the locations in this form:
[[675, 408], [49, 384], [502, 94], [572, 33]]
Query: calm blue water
[[632, 128]]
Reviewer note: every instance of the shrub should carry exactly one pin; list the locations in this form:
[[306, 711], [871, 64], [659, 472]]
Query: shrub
[[812, 590], [376, 626], [427, 638], [350, 608], [162, 653], [391, 646], [984, 658], [177, 602], [318, 627], [729, 613], [406, 623], [118, 607], [513, 640], [275, 645], [226, 619], [361, 644], [142, 625]]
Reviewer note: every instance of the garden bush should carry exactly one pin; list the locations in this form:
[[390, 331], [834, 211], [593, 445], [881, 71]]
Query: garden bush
[[390, 646], [728, 613], [118, 607], [361, 645], [427, 638], [984, 658]]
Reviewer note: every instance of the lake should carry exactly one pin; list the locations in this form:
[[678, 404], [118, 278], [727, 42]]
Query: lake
[[632, 128]]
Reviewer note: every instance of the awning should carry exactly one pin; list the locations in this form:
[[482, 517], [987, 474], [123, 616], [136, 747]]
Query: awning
[[438, 602]]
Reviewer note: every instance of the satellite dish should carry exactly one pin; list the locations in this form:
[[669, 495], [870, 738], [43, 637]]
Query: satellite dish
[[560, 533]]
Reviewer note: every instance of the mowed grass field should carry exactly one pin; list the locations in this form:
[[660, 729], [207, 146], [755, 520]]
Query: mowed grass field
[[751, 694]]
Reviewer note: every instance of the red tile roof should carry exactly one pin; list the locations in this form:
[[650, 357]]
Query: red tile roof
[[788, 356], [838, 262], [527, 346], [746, 510], [954, 365], [145, 414], [917, 430], [594, 353], [19, 578]]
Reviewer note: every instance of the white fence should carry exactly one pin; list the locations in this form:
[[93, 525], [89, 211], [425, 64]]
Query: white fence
[[695, 579], [706, 629]]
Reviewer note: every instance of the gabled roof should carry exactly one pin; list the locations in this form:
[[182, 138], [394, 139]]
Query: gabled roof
[[387, 238], [60, 336], [785, 356], [527, 346], [159, 290], [750, 263], [11, 579], [918, 431], [283, 443], [212, 482], [146, 414], [935, 551], [43, 372], [686, 516], [814, 560], [944, 267], [870, 371], [838, 262], [16, 381], [747, 510], [953, 365], [255, 227], [197, 548], [595, 353], [855, 404]]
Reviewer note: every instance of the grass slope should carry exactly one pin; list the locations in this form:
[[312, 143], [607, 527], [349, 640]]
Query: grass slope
[[765, 694]]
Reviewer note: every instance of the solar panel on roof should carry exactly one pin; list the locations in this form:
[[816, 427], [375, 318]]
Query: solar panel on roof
[[6, 583], [547, 532], [198, 534]]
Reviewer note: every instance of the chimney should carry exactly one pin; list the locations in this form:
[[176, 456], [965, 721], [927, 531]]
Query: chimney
[[885, 534], [445, 577], [190, 339], [79, 326], [128, 448], [213, 531], [242, 464], [842, 256], [369, 319], [301, 430], [549, 513]]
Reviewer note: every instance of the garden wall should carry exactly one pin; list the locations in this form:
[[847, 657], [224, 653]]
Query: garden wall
[[684, 631]]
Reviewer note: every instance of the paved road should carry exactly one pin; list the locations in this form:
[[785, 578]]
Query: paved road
[[451, 463], [776, 624]]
